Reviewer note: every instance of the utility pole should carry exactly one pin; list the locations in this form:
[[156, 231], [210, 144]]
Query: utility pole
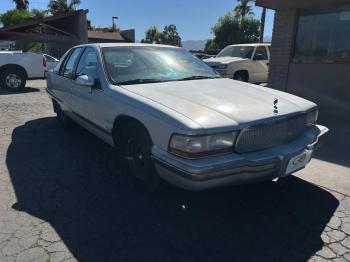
[[262, 25], [113, 23]]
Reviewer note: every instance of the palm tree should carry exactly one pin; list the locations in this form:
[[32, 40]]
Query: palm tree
[[56, 7], [243, 8], [21, 4]]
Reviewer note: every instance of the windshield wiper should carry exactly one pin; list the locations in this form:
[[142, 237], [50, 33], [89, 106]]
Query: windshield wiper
[[198, 77], [141, 81]]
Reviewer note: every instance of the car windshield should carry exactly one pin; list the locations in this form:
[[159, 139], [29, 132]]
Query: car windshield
[[237, 51], [150, 64]]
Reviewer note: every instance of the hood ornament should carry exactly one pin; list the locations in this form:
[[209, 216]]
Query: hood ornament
[[275, 106]]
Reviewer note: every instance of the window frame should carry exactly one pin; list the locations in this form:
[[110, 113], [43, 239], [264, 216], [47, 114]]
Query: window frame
[[66, 59], [80, 57], [309, 12], [97, 80]]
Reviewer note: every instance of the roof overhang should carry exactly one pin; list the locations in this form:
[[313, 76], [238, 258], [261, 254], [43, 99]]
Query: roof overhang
[[298, 4], [34, 22], [109, 36], [45, 30], [35, 37]]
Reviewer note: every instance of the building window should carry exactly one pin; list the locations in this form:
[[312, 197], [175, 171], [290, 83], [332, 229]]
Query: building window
[[323, 37]]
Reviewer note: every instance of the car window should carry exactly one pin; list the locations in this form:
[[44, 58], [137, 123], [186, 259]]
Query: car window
[[152, 63], [261, 50], [237, 51], [68, 67], [88, 64]]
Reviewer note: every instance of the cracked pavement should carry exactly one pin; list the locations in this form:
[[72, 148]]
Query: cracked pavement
[[63, 197]]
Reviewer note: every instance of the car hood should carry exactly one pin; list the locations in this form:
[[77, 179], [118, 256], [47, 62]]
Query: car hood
[[219, 103], [223, 60]]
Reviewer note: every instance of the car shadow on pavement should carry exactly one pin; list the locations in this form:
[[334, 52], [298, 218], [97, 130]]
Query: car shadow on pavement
[[4, 91], [335, 147], [72, 180]]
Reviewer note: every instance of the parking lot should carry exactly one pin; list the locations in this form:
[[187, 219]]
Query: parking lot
[[64, 197]]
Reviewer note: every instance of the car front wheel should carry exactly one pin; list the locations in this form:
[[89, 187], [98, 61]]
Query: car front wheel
[[137, 146], [12, 79]]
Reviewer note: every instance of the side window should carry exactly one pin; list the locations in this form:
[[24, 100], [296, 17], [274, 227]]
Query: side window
[[261, 53], [68, 66], [88, 64]]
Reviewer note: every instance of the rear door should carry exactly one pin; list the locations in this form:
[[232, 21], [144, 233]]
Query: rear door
[[260, 65], [61, 81]]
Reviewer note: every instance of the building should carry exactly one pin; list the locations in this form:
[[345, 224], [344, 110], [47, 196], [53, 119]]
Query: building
[[61, 32], [5, 45], [310, 54]]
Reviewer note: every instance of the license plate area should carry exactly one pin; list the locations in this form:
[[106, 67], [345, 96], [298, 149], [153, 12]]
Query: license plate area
[[299, 161]]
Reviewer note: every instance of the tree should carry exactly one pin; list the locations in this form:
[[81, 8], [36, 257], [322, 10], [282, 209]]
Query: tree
[[243, 8], [211, 46], [57, 7], [21, 4], [170, 36], [152, 36], [14, 16], [36, 13], [231, 29]]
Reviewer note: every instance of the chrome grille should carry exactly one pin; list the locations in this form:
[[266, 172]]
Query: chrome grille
[[267, 135]]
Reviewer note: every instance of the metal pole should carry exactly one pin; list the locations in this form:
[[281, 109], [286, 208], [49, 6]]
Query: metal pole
[[262, 25], [113, 24]]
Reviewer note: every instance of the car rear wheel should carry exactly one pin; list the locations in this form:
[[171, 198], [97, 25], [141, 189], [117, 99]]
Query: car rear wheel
[[137, 146], [61, 116], [12, 79]]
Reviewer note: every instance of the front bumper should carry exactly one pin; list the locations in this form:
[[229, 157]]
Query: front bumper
[[230, 169]]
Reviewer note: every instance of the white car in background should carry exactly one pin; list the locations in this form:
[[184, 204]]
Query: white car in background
[[51, 62], [17, 67], [246, 62]]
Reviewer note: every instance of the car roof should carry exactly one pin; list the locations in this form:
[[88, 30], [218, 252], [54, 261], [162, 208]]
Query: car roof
[[254, 44], [102, 45]]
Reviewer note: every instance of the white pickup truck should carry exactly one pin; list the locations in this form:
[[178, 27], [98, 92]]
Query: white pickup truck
[[17, 67], [245, 62]]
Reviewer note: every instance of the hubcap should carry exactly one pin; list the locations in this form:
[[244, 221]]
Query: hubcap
[[136, 159], [13, 81]]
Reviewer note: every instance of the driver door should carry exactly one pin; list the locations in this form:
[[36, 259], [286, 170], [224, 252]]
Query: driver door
[[89, 100], [260, 65]]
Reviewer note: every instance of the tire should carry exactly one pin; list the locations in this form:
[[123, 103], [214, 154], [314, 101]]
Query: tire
[[136, 150], [241, 76], [13, 79], [64, 120]]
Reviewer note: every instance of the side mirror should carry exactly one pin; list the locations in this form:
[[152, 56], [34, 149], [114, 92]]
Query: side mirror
[[259, 57], [85, 80]]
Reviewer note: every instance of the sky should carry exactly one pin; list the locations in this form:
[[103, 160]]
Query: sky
[[193, 18]]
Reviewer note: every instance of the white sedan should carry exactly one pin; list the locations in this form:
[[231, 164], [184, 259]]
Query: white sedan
[[173, 118]]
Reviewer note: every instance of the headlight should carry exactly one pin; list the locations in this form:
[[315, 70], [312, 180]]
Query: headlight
[[200, 146], [311, 117], [220, 67]]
